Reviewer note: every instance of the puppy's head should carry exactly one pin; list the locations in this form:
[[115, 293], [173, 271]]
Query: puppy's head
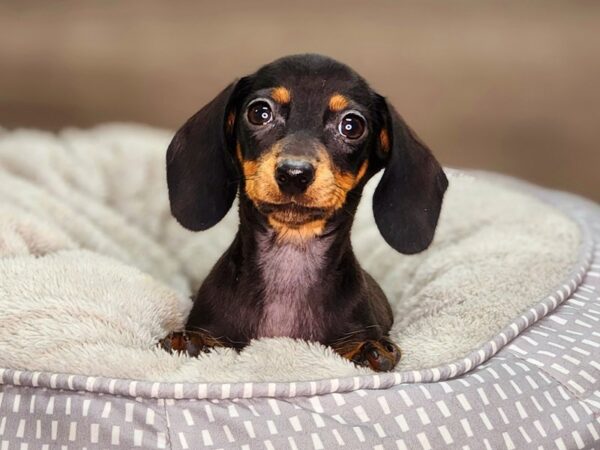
[[301, 137]]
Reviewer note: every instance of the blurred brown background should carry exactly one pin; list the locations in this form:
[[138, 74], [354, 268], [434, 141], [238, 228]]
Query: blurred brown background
[[509, 86]]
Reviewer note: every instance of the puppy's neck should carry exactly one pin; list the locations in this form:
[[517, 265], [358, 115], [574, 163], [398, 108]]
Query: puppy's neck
[[289, 264], [296, 258], [292, 274]]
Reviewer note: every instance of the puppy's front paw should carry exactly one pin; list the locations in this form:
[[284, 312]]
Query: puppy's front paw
[[191, 343], [380, 355]]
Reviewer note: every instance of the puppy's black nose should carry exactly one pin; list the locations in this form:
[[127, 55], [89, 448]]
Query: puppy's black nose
[[294, 176]]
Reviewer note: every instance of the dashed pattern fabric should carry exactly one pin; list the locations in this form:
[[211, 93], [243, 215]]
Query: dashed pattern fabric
[[535, 385]]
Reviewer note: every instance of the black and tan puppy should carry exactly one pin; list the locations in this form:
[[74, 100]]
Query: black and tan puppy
[[297, 141]]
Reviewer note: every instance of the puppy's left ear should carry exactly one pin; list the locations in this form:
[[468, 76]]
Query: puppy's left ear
[[201, 173], [408, 198]]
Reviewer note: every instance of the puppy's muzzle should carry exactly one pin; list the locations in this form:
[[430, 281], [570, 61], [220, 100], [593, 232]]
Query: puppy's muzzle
[[294, 176]]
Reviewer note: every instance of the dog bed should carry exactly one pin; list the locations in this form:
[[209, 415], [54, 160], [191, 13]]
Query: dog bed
[[499, 321]]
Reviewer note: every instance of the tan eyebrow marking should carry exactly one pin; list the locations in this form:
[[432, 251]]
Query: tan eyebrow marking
[[281, 95], [337, 102]]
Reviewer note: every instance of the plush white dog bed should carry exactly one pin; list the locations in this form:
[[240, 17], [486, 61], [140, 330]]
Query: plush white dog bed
[[93, 271]]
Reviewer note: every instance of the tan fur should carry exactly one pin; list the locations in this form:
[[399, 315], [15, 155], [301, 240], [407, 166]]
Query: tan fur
[[338, 102], [346, 181], [384, 140], [353, 350], [296, 234], [238, 152], [328, 191], [259, 177], [281, 95], [349, 350], [189, 342]]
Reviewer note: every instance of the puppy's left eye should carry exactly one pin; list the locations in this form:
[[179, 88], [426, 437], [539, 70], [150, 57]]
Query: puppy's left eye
[[352, 126], [259, 113]]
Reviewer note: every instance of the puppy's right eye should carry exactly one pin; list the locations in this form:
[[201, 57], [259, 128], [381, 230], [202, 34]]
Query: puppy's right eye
[[259, 113]]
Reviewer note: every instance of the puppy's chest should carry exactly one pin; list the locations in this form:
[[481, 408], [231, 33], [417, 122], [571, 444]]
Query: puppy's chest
[[292, 278]]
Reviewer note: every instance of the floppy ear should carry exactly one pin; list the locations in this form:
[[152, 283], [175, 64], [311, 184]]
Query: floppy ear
[[408, 199], [201, 173]]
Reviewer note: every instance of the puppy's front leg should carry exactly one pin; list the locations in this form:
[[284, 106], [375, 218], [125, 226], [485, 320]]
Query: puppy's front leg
[[191, 343], [381, 355]]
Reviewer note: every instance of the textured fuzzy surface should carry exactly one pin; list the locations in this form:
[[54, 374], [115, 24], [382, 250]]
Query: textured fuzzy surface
[[93, 269]]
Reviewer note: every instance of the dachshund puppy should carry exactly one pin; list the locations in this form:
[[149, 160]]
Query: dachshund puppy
[[296, 142]]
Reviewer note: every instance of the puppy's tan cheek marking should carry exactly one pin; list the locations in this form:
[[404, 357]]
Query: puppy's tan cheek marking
[[322, 189], [250, 169], [330, 186], [321, 181], [384, 140], [361, 172], [346, 181], [281, 95], [338, 102], [258, 175]]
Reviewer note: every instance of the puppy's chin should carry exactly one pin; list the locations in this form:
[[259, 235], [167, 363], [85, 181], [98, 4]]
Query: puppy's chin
[[292, 215]]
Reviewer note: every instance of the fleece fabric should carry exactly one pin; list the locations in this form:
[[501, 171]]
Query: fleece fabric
[[94, 270]]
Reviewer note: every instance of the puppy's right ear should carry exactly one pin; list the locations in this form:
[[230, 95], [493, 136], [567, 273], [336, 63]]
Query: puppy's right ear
[[201, 172]]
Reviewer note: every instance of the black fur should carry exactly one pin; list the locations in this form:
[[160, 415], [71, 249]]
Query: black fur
[[204, 175], [201, 174], [408, 199]]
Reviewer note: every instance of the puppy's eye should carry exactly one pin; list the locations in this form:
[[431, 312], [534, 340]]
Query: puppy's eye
[[352, 126], [259, 113]]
